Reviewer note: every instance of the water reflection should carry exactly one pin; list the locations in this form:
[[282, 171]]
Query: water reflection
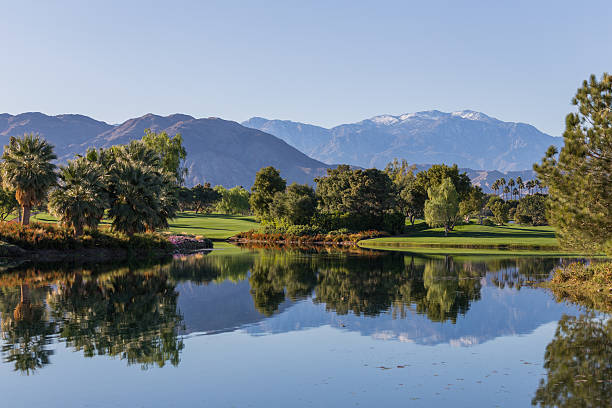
[[578, 363], [140, 314]]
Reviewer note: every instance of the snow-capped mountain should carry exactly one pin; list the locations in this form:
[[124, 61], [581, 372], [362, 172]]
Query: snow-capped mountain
[[467, 138]]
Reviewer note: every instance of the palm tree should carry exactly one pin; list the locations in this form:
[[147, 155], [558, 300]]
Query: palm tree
[[495, 186], [521, 185], [506, 191], [529, 186], [511, 184], [28, 169], [81, 197]]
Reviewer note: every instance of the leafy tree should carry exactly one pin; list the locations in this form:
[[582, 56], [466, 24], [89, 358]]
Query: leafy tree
[[267, 183], [295, 206], [531, 210], [442, 208], [500, 210], [437, 173], [359, 199], [171, 152], [410, 196], [204, 197], [8, 203], [233, 201], [27, 169], [81, 196], [185, 198], [473, 204], [579, 177]]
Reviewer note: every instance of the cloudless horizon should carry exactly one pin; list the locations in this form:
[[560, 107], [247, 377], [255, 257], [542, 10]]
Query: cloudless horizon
[[323, 63]]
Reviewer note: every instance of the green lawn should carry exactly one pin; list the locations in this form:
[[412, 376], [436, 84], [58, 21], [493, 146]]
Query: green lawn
[[474, 236], [213, 226]]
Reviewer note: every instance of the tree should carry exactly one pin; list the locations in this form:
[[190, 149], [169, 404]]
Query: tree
[[233, 201], [267, 183], [204, 197], [495, 186], [28, 170], [437, 173], [506, 191], [521, 185], [295, 206], [442, 207], [185, 198], [357, 199], [531, 210], [511, 184], [579, 177], [8, 203], [81, 196], [472, 204], [143, 196], [410, 196], [171, 152], [500, 210]]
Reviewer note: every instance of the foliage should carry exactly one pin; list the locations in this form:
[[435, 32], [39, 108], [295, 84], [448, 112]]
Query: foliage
[[410, 196], [233, 201], [472, 204], [204, 198], [531, 210], [588, 285], [8, 203], [27, 169], [294, 206], [438, 173], [579, 177], [500, 210], [356, 199], [50, 236], [268, 182], [578, 364], [303, 234], [81, 196], [171, 152], [442, 207]]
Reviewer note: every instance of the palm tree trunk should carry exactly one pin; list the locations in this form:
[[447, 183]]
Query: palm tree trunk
[[26, 215]]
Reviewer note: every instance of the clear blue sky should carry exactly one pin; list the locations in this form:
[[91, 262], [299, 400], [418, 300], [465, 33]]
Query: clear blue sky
[[327, 62]]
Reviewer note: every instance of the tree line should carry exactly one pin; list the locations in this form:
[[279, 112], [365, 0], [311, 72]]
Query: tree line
[[134, 185]]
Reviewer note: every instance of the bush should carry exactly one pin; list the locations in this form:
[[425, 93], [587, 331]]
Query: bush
[[487, 222], [52, 236]]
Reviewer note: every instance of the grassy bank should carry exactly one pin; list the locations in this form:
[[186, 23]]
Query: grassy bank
[[588, 285], [217, 227], [473, 236]]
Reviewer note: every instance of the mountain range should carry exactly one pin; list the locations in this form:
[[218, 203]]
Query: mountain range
[[228, 153], [218, 151], [468, 138]]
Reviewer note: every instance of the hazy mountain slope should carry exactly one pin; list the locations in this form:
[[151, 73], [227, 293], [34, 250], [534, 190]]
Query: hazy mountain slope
[[470, 139], [65, 132], [219, 151]]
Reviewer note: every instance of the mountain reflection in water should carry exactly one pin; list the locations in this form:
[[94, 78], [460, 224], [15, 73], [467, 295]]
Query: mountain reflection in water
[[142, 313]]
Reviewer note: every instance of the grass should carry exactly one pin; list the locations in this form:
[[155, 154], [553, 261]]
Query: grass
[[217, 227], [589, 285], [473, 236]]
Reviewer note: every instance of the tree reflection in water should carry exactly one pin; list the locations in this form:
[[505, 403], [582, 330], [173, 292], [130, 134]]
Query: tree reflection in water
[[578, 362], [121, 313]]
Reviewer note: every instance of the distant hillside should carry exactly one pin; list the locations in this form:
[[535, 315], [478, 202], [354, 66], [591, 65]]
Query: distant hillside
[[470, 139], [219, 151]]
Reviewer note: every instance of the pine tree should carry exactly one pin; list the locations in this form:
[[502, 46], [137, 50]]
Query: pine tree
[[579, 177]]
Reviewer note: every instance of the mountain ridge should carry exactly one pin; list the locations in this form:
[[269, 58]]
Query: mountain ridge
[[469, 138]]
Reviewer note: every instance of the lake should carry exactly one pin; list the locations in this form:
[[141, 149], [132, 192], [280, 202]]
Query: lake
[[301, 328]]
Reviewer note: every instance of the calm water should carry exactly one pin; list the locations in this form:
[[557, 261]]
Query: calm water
[[268, 328]]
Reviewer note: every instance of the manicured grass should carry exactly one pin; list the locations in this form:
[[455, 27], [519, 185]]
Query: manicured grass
[[474, 236], [213, 226]]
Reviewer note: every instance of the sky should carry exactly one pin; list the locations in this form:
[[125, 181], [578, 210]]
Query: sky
[[319, 62]]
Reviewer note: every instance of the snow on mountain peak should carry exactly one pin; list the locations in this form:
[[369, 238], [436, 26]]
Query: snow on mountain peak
[[471, 115], [385, 120]]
